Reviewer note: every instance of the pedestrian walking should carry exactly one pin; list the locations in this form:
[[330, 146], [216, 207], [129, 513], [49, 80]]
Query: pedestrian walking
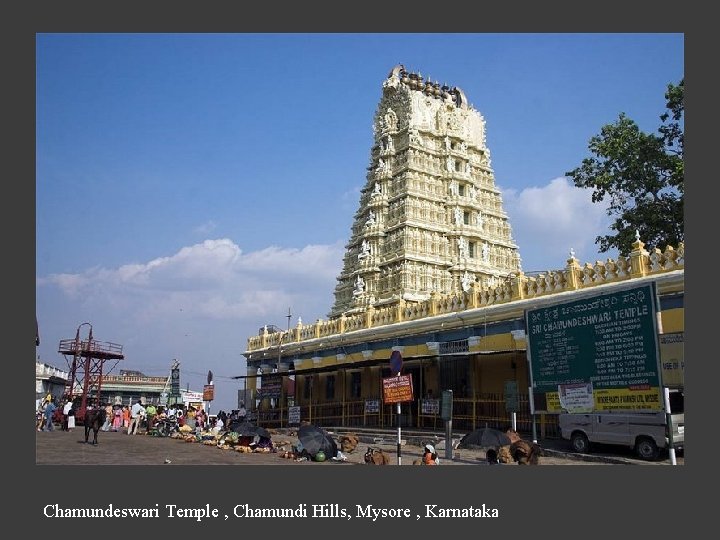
[[50, 409]]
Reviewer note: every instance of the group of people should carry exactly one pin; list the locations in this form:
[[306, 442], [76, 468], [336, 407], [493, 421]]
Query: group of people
[[132, 419]]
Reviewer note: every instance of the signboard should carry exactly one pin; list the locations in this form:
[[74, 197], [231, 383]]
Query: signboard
[[175, 381], [191, 397], [396, 362], [294, 415], [446, 406], [397, 389], [271, 387], [163, 399], [672, 359], [608, 341], [430, 406], [576, 398], [208, 392], [372, 406], [511, 396]]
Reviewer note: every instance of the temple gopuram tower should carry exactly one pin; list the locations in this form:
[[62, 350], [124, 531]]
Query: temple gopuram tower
[[430, 218]]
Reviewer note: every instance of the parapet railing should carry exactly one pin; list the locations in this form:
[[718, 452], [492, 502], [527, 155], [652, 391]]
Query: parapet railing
[[518, 286]]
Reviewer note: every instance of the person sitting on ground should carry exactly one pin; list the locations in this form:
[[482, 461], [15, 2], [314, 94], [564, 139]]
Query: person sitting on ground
[[429, 456]]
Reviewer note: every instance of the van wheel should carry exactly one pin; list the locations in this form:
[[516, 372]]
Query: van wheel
[[647, 449], [580, 443]]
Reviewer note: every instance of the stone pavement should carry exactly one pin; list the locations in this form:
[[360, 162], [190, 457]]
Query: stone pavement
[[114, 448]]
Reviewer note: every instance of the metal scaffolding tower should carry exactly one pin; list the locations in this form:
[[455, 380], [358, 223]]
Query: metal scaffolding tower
[[86, 369]]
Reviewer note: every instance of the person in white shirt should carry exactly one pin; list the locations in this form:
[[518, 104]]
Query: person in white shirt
[[66, 412], [137, 412], [242, 412], [218, 427]]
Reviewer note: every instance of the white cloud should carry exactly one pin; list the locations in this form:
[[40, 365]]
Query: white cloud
[[203, 302], [200, 304], [214, 277], [550, 220]]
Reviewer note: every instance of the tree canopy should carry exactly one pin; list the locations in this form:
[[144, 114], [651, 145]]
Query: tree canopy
[[641, 175]]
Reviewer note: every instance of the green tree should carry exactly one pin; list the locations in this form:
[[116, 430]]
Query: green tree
[[642, 177]]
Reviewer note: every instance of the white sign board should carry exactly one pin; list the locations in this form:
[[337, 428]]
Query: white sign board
[[430, 406], [576, 398], [293, 415], [372, 406]]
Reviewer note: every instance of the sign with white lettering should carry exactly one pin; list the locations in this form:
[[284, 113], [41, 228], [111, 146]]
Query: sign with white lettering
[[271, 387], [175, 382], [609, 341], [397, 389], [430, 406], [372, 406]]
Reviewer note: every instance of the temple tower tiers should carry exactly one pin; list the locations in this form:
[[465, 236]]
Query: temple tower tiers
[[430, 218]]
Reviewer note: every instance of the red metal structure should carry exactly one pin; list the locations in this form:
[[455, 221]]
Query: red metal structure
[[86, 370]]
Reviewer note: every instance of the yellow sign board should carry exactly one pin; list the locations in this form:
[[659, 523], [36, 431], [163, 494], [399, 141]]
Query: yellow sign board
[[672, 358]]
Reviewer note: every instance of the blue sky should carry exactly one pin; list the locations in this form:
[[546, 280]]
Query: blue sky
[[192, 187]]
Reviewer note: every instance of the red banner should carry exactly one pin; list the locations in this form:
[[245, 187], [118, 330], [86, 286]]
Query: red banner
[[208, 392]]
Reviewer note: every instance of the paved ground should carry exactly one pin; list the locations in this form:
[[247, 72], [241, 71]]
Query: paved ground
[[69, 448]]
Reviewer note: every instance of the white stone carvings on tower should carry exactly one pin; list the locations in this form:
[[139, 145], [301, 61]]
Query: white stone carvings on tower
[[466, 280], [359, 286], [463, 247], [364, 249], [428, 155]]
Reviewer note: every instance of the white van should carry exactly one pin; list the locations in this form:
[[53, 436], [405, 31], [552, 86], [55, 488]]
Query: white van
[[646, 432]]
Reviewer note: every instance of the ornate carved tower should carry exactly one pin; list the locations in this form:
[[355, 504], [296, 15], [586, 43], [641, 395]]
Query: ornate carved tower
[[430, 217]]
